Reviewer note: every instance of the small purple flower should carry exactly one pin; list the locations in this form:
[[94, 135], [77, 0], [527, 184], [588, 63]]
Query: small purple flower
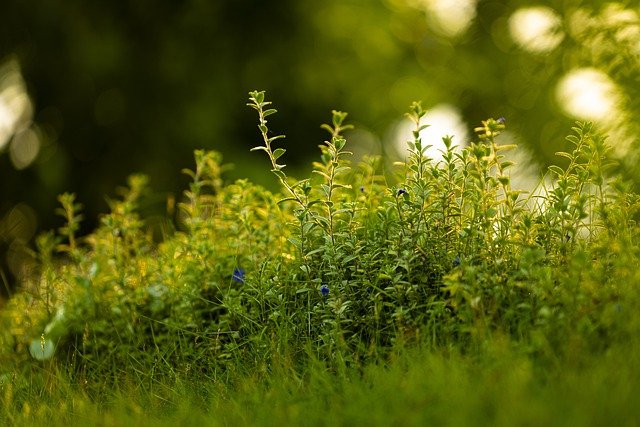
[[401, 191], [238, 275], [324, 290], [501, 120]]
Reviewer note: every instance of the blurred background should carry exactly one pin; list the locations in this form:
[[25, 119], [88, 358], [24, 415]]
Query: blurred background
[[91, 92]]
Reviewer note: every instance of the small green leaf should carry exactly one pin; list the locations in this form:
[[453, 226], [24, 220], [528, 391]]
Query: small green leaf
[[278, 152], [324, 175], [556, 169], [258, 96], [295, 242], [287, 199], [504, 180], [273, 138], [564, 154], [505, 165]]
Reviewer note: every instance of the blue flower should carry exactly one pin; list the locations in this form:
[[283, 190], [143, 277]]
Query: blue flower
[[238, 275], [456, 261], [324, 290], [401, 191]]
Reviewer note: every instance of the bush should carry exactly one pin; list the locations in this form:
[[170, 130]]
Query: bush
[[343, 266]]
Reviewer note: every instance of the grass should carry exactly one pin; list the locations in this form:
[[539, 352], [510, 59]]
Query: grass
[[437, 294], [419, 387]]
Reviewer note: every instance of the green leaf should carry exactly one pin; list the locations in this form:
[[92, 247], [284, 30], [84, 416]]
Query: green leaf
[[505, 165], [258, 96], [294, 241], [278, 152], [564, 154], [506, 147], [269, 112], [273, 138], [277, 172], [556, 169], [307, 227], [504, 180], [305, 268], [315, 251], [327, 128], [287, 199], [324, 175]]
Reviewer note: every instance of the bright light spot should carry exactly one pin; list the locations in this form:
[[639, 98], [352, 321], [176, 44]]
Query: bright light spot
[[588, 94], [24, 148], [6, 123], [14, 106], [15, 117], [42, 349], [536, 29], [443, 120], [451, 18], [525, 174]]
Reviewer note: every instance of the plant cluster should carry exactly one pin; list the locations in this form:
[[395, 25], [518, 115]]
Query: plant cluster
[[342, 266]]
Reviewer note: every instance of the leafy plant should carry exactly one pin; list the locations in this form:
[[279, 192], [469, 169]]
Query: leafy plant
[[341, 268]]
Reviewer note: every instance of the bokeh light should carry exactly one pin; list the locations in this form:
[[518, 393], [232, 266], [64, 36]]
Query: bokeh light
[[449, 18], [536, 29], [15, 117], [588, 94], [443, 120], [24, 148]]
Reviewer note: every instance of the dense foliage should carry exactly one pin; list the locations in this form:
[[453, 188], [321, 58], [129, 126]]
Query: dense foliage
[[343, 267]]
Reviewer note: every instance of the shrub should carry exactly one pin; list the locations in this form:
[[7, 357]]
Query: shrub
[[341, 266]]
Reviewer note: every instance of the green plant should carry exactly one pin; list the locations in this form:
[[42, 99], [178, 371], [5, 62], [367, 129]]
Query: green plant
[[338, 272]]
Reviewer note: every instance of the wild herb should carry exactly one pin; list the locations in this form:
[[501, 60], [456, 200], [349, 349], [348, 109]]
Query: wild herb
[[342, 268]]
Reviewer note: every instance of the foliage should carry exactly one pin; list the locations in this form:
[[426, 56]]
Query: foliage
[[345, 268]]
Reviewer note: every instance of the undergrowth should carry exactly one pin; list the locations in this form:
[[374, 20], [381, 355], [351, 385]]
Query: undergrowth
[[343, 269]]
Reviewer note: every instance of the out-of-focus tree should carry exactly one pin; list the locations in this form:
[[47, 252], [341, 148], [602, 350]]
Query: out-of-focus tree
[[93, 91]]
